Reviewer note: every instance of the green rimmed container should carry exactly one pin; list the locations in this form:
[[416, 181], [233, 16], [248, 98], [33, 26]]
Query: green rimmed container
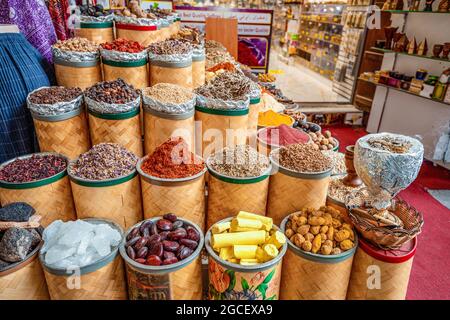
[[81, 74], [101, 280], [229, 195], [231, 281], [184, 197], [178, 281], [310, 276], [132, 72], [122, 128], [50, 197], [221, 128], [118, 200], [291, 191], [97, 32]]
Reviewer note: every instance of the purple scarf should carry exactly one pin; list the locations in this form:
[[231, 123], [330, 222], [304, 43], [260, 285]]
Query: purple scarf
[[33, 20]]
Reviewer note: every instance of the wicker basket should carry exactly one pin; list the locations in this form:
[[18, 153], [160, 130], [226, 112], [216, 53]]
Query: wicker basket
[[198, 71], [132, 72], [145, 35], [102, 280], [178, 281], [309, 276], [230, 281], [185, 197], [77, 74], [252, 127], [118, 200], [159, 127], [291, 191], [214, 125], [381, 275], [122, 128], [50, 197], [227, 195], [97, 32], [24, 280], [175, 73], [67, 133]]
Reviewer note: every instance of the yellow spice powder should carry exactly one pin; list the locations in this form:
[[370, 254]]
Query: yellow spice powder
[[271, 118]]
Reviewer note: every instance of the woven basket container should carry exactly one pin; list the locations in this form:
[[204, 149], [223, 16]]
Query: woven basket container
[[132, 72], [184, 197], [77, 74], [67, 133], [179, 73], [215, 123], [159, 127], [228, 195], [252, 127], [118, 200], [381, 274], [145, 35], [122, 128], [309, 276], [340, 206], [98, 32], [290, 191], [231, 281], [50, 197], [102, 280], [24, 280], [178, 281], [198, 71]]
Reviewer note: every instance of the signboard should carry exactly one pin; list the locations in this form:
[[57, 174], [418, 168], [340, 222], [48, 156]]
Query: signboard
[[254, 30]]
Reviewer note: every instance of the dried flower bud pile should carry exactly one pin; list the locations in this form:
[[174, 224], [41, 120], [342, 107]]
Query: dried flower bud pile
[[169, 93], [123, 45], [163, 242], [320, 231], [76, 44], [54, 95], [227, 86], [301, 157], [248, 239], [34, 168], [170, 46], [112, 92]]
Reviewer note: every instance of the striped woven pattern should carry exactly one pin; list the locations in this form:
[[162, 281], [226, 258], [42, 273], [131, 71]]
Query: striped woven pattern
[[198, 73], [72, 77], [144, 37], [179, 76], [138, 77], [97, 35], [186, 283]]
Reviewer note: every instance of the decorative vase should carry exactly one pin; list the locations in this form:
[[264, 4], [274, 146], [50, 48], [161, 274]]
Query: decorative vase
[[351, 179], [437, 49], [389, 34], [446, 50], [429, 5]]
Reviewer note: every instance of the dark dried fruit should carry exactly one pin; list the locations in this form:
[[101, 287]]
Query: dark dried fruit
[[164, 235], [133, 233], [153, 260], [140, 260], [154, 238], [168, 255], [178, 234], [140, 243], [170, 260], [192, 234], [164, 225], [145, 225], [146, 232], [184, 253], [170, 216], [153, 229], [131, 253], [170, 245], [142, 253], [132, 241], [191, 244], [54, 95], [112, 92], [177, 224], [156, 249]]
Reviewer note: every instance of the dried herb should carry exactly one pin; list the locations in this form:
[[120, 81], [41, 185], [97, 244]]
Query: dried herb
[[112, 92], [54, 95], [227, 86]]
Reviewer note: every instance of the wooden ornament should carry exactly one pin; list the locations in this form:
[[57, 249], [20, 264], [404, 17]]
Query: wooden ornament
[[423, 48]]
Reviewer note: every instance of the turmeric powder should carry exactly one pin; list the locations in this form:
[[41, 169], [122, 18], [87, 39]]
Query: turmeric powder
[[271, 118]]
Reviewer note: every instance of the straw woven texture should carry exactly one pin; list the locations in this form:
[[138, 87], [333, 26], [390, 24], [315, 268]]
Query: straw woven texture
[[308, 280], [52, 201], [252, 126], [394, 279], [107, 283], [126, 132], [264, 148], [144, 37], [198, 73], [227, 199], [97, 35], [136, 76], [69, 137], [159, 130], [179, 76], [185, 199], [120, 203], [289, 194], [71, 77], [214, 131], [27, 283], [186, 283]]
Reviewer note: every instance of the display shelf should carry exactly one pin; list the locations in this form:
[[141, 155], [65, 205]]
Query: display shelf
[[411, 55], [410, 11], [324, 22], [404, 91]]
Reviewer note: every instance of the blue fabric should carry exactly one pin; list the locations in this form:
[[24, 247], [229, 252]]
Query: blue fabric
[[21, 71]]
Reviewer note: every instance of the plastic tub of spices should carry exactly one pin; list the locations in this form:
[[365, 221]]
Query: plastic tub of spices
[[96, 274], [257, 278], [310, 273], [173, 185], [394, 267], [41, 180], [168, 265], [299, 169], [271, 138], [235, 186], [105, 185]]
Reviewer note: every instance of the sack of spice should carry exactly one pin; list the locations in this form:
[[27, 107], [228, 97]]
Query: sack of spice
[[282, 135], [112, 97], [302, 158], [123, 50], [75, 50], [168, 98], [54, 100], [171, 52]]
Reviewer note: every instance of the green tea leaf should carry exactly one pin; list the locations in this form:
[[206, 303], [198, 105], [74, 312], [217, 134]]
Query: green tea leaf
[[269, 277]]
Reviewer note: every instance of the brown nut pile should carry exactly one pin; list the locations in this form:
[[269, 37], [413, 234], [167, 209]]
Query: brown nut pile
[[170, 46], [323, 141], [133, 10], [76, 44], [320, 231]]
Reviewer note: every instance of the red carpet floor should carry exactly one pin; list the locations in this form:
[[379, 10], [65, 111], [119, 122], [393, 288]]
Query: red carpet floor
[[430, 276]]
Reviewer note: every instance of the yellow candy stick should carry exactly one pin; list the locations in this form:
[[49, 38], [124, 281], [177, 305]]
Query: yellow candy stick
[[270, 252], [248, 262], [266, 221], [230, 239], [260, 254], [233, 260], [226, 253], [241, 224], [245, 251], [220, 227], [278, 239]]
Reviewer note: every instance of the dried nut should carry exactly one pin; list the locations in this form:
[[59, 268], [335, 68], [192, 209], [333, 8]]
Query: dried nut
[[315, 230], [191, 244], [336, 251], [330, 233], [328, 242], [192, 234], [346, 245], [328, 219], [301, 221], [303, 229], [342, 235], [289, 233], [307, 246], [298, 240], [323, 236], [178, 234], [316, 244], [309, 237], [131, 253], [336, 223], [171, 217], [326, 250], [324, 229], [153, 260], [164, 225]]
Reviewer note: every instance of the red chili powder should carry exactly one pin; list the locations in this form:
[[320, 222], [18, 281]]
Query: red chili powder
[[283, 135], [173, 160]]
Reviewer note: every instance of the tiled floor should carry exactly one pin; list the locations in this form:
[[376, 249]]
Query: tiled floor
[[299, 83]]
